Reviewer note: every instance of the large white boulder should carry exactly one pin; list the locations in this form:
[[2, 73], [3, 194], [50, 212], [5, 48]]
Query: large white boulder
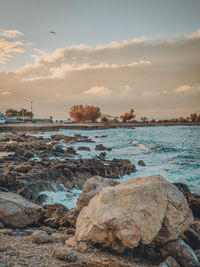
[[91, 188], [15, 211], [146, 210]]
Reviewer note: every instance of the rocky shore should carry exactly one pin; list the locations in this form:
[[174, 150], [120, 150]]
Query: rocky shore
[[141, 222]]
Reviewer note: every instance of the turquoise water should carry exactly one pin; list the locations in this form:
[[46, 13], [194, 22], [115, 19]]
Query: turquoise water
[[173, 151]]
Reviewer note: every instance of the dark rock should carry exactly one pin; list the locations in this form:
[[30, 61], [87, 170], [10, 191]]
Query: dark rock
[[102, 147], [83, 148], [141, 163], [180, 251], [193, 199]]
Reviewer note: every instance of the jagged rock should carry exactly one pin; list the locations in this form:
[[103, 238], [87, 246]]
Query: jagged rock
[[148, 210], [54, 214], [180, 251], [65, 254], [39, 237], [91, 188], [15, 211]]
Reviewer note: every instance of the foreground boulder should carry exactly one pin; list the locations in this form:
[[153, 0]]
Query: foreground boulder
[[17, 212], [148, 210], [91, 188]]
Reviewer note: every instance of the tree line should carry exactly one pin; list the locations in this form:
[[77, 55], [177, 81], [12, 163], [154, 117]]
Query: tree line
[[89, 113], [18, 113]]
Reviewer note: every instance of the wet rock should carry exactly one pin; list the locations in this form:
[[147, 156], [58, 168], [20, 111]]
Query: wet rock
[[169, 262], [102, 155], [39, 237], [141, 163], [65, 254], [83, 148], [148, 210], [1, 225], [192, 235], [91, 188], [102, 147], [193, 199], [15, 211], [180, 251]]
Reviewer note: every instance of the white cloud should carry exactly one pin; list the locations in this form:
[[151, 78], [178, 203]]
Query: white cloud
[[10, 33], [7, 47], [193, 35], [98, 91], [5, 92], [182, 88]]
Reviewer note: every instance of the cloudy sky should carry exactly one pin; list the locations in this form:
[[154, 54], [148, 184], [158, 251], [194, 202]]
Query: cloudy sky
[[117, 54]]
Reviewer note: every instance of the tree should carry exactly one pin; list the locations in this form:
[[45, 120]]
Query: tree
[[193, 117], [11, 113], [144, 119], [128, 116], [82, 113], [104, 120]]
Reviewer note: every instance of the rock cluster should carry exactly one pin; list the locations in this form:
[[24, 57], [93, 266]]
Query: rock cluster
[[35, 165], [145, 210]]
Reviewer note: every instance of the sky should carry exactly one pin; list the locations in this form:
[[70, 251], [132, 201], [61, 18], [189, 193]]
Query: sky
[[115, 54]]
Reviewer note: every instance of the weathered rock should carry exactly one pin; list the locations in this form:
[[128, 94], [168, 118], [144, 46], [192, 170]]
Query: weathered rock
[[180, 251], [91, 188], [146, 210], [70, 217], [39, 237], [141, 163], [169, 262], [15, 211], [54, 214], [65, 254]]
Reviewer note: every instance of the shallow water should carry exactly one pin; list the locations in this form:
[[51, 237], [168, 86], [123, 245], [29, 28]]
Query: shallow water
[[173, 152]]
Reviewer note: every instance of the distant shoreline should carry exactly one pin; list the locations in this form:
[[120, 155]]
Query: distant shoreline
[[81, 126]]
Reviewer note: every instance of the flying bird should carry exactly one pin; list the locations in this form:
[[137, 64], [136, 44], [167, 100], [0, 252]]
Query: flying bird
[[53, 32]]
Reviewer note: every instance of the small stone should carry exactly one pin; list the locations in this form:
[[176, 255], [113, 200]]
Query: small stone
[[65, 254], [47, 229], [39, 237], [5, 231], [58, 238]]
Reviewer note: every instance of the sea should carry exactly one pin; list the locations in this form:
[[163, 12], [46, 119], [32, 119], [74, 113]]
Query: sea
[[170, 151]]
